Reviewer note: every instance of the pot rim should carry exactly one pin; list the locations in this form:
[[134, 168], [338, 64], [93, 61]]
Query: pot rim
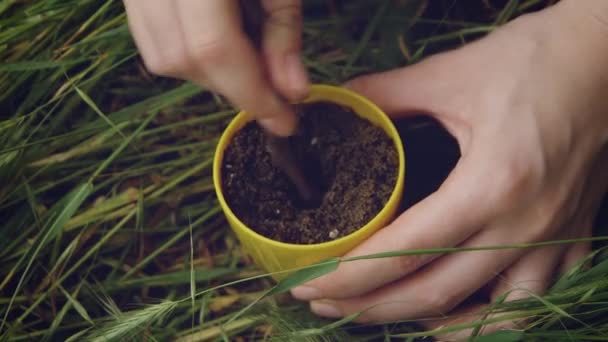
[[316, 89]]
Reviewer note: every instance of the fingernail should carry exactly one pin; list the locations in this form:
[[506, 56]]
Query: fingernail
[[296, 75], [326, 308], [306, 293]]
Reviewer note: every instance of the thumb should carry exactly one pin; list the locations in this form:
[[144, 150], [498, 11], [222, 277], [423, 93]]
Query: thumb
[[409, 90], [446, 218]]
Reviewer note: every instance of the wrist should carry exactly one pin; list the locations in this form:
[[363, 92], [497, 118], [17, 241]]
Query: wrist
[[582, 26], [569, 47], [595, 9]]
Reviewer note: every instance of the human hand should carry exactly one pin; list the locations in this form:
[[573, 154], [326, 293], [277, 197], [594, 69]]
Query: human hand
[[527, 105], [204, 42]]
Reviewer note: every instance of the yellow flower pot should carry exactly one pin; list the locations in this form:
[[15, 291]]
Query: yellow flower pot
[[275, 256]]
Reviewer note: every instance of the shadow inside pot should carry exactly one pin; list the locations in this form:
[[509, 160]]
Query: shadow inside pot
[[430, 155]]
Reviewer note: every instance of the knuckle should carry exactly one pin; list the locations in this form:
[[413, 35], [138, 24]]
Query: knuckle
[[407, 264], [169, 65], [208, 51], [438, 302], [514, 182]]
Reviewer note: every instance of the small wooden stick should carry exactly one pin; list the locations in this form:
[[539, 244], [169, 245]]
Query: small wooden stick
[[283, 157], [278, 147]]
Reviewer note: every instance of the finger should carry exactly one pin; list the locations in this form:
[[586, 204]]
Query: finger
[[444, 219], [582, 223], [157, 34], [224, 57], [433, 290], [575, 254], [282, 41], [531, 274], [461, 316]]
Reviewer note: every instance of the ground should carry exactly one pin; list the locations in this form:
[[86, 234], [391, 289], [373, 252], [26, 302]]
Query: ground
[[110, 227]]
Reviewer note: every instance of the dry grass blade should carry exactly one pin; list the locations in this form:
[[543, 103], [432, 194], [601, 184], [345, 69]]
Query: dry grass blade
[[105, 174], [131, 323]]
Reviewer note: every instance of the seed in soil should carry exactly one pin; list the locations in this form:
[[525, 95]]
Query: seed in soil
[[354, 161]]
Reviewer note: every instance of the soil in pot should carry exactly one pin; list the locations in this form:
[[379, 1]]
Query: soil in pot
[[355, 164]]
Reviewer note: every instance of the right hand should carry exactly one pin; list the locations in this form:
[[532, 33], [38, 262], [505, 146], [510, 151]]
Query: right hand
[[527, 106], [204, 42]]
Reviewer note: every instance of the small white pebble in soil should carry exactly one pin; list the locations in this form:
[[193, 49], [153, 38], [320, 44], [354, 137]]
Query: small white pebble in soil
[[229, 166], [333, 234], [231, 178], [314, 141], [278, 211]]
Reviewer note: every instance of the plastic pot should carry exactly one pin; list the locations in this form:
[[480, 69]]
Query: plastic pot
[[281, 258]]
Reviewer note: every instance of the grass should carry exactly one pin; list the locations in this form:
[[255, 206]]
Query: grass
[[110, 229]]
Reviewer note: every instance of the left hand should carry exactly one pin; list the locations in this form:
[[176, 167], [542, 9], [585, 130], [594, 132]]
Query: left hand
[[527, 105]]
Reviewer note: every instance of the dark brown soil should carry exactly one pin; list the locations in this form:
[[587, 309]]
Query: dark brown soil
[[356, 164]]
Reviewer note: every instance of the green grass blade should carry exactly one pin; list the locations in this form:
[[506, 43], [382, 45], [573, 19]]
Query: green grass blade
[[174, 278], [74, 200], [192, 277], [369, 31], [472, 249], [507, 12], [305, 275], [38, 65], [500, 336], [96, 109], [176, 237], [57, 321], [130, 323], [76, 265], [76, 304], [124, 145]]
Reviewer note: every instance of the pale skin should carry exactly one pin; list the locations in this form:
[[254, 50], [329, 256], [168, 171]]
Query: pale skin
[[528, 105], [204, 42]]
